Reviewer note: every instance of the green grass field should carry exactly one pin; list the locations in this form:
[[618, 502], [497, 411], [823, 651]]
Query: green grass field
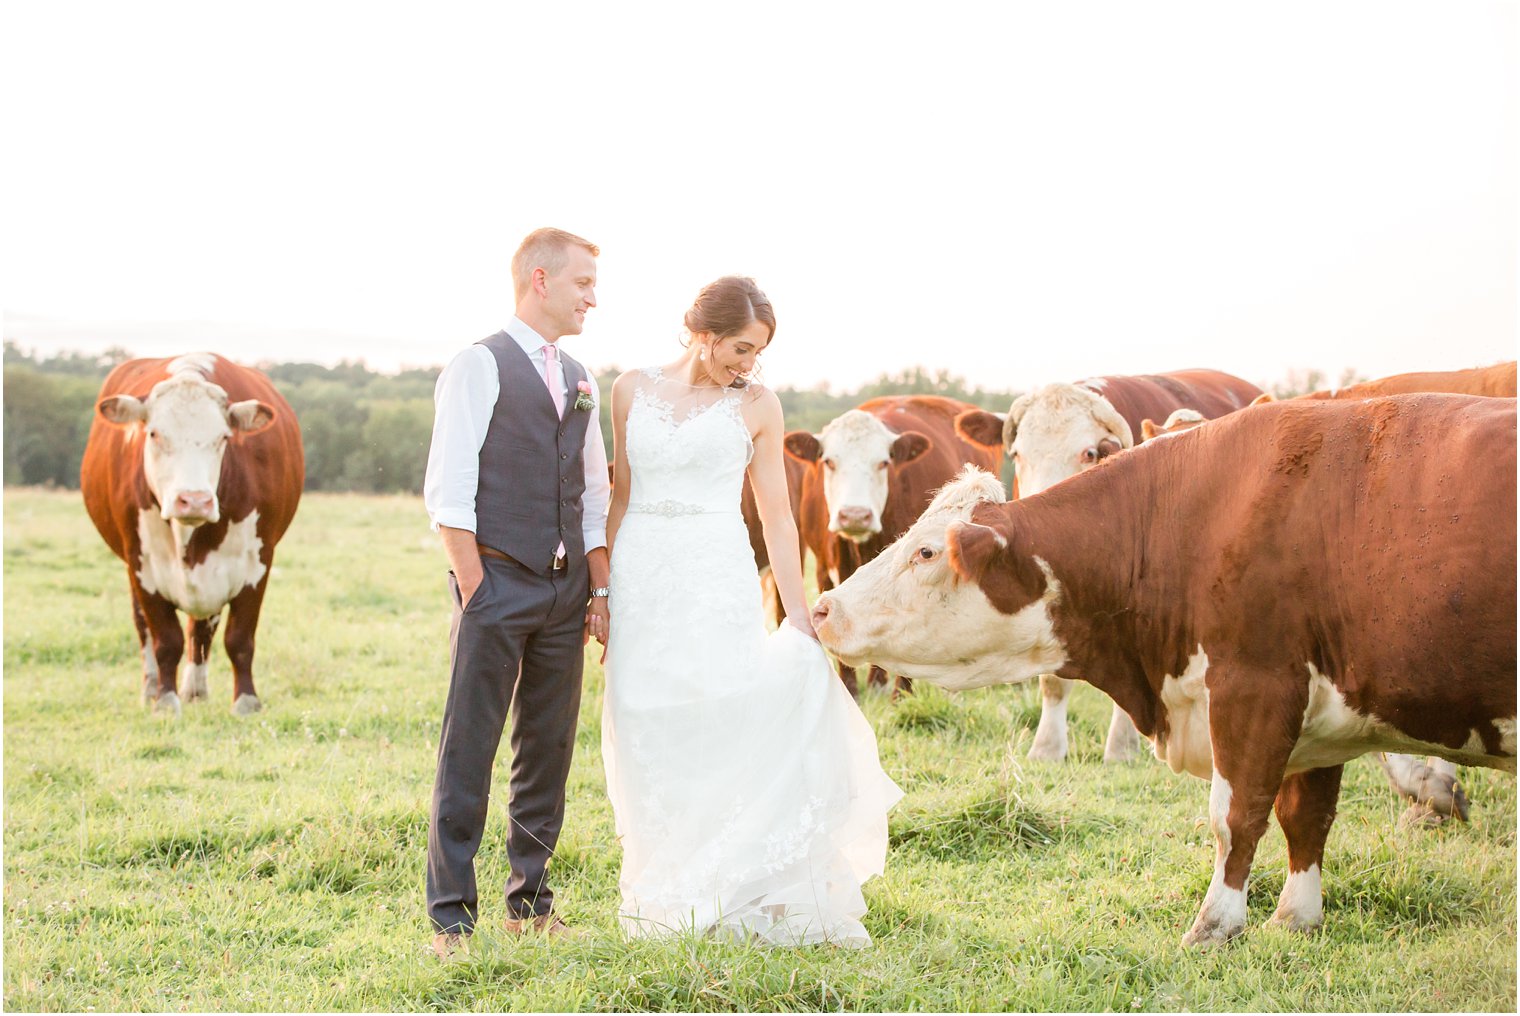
[[276, 862]]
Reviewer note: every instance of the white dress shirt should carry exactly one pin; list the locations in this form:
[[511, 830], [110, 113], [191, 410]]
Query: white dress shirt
[[464, 400]]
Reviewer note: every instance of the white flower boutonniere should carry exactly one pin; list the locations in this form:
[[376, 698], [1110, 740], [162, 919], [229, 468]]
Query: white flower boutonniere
[[583, 400]]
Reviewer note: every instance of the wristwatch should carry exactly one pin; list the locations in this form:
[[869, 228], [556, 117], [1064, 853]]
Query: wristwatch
[[602, 591]]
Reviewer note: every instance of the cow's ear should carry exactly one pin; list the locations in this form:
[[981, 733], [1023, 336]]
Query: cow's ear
[[249, 416], [1148, 429], [1108, 446], [1011, 421], [802, 446], [1010, 580], [122, 409], [909, 445], [980, 427], [1261, 400], [971, 547]]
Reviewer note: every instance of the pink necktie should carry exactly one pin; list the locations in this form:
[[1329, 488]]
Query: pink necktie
[[554, 378]]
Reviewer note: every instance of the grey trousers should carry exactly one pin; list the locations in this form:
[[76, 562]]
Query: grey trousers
[[515, 650]]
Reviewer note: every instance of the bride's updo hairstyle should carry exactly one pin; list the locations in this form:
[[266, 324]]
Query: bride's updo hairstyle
[[726, 306]]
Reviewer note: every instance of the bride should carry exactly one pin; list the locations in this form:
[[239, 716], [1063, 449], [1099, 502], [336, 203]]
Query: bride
[[744, 780]]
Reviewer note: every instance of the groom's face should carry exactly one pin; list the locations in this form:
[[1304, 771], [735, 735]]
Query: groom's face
[[571, 292]]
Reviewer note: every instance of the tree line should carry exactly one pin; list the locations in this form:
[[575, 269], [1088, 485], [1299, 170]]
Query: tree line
[[363, 430], [367, 431]]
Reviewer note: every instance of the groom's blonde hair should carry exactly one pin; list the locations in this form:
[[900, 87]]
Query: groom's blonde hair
[[546, 248]]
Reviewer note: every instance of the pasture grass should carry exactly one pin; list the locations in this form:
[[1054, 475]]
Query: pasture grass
[[276, 862]]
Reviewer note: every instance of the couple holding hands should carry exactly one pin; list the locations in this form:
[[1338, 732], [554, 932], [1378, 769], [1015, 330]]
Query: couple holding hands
[[748, 797]]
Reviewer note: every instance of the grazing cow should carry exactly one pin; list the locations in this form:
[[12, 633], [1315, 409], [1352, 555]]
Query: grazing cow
[[868, 476], [1268, 596], [192, 473], [1062, 429], [1496, 382]]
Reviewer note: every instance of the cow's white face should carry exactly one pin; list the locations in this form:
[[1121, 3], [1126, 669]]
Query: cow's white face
[[186, 424], [910, 612], [857, 453], [1058, 432]]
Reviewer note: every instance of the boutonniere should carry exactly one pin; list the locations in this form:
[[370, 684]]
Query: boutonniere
[[583, 400]]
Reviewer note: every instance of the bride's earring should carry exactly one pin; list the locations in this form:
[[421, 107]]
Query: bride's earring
[[702, 355]]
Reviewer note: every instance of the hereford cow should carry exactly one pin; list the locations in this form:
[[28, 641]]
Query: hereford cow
[[192, 473], [1269, 596], [1062, 429], [869, 474], [1496, 382]]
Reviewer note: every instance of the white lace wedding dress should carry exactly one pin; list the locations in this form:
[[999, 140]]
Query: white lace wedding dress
[[745, 782]]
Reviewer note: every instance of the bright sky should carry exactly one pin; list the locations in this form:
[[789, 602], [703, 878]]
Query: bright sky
[[1018, 192]]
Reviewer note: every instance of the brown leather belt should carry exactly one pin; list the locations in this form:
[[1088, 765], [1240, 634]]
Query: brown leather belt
[[558, 565]]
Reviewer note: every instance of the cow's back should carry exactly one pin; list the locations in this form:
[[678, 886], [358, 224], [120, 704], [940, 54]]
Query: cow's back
[[1139, 397], [1497, 381], [264, 471]]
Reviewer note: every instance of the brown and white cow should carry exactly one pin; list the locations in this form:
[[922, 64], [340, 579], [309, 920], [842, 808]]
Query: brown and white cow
[[1060, 430], [1496, 382], [192, 473], [870, 474], [1269, 596]]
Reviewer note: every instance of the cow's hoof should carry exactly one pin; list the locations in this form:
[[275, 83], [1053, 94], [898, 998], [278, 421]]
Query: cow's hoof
[[246, 705], [1292, 920], [1206, 934], [168, 702], [1123, 741], [192, 681], [1421, 815], [1047, 750], [1120, 755], [1441, 794]]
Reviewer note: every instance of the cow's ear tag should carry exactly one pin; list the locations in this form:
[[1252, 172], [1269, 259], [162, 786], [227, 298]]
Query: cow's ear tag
[[249, 416]]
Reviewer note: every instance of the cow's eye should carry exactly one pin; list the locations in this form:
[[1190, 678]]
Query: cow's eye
[[882, 464], [1090, 454], [828, 463], [927, 553], [152, 434]]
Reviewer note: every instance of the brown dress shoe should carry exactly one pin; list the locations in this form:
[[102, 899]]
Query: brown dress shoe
[[448, 944], [546, 924]]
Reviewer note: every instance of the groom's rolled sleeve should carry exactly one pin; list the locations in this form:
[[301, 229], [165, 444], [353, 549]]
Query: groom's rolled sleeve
[[463, 399], [598, 490]]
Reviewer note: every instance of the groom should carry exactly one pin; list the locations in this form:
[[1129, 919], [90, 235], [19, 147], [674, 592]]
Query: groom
[[517, 486]]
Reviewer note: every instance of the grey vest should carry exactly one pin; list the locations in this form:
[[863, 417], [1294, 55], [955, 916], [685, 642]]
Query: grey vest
[[532, 473]]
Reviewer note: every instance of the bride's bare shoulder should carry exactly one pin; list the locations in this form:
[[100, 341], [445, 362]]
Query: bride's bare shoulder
[[761, 402], [631, 379]]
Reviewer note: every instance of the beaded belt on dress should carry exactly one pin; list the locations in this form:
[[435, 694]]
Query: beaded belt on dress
[[671, 509]]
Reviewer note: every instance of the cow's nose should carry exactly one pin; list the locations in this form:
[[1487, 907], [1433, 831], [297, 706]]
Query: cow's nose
[[193, 504], [821, 612], [853, 517]]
